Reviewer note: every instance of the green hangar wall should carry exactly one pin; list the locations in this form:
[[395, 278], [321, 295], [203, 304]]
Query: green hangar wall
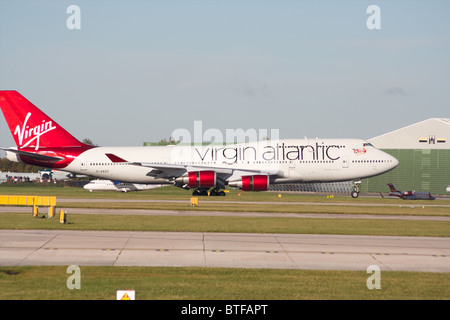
[[420, 170], [423, 151]]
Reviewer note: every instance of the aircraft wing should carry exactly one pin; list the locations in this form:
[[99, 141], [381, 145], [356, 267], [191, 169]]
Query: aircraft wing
[[163, 170], [174, 170], [159, 170]]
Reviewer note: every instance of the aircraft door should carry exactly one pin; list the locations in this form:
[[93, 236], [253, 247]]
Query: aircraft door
[[345, 162], [292, 169], [83, 166]]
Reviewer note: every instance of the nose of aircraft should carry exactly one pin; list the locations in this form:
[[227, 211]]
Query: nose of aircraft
[[394, 162], [391, 162]]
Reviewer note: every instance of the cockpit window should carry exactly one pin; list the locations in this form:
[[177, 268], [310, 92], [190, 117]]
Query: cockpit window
[[367, 144]]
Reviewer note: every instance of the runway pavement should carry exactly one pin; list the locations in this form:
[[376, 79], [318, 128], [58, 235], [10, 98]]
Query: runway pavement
[[283, 251]]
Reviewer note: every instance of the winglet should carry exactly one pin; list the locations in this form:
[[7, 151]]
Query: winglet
[[115, 158]]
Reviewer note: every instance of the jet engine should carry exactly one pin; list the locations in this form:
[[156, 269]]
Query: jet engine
[[252, 183], [199, 179]]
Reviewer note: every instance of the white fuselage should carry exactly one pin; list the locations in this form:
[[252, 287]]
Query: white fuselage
[[303, 160]]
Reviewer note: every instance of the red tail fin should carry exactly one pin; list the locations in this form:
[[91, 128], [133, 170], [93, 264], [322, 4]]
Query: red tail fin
[[391, 186], [31, 127]]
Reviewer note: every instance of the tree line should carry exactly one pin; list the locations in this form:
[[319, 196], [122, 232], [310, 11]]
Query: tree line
[[6, 165]]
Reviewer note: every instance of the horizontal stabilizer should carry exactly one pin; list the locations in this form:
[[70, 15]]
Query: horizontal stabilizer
[[32, 155]]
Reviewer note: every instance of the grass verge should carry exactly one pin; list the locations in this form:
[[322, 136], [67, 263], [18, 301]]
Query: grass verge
[[152, 283], [230, 224]]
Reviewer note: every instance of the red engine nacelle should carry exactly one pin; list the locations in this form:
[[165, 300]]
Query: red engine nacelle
[[200, 179], [252, 183]]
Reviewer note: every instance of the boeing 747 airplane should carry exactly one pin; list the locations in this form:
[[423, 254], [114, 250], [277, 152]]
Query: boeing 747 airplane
[[251, 166]]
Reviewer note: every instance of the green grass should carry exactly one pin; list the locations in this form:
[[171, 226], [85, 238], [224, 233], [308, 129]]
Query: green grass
[[217, 283], [229, 224]]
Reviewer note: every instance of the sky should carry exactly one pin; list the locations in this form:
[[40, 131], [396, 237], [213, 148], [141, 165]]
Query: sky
[[136, 71]]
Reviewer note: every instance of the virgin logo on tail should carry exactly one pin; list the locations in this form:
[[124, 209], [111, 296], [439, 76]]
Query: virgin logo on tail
[[32, 133]]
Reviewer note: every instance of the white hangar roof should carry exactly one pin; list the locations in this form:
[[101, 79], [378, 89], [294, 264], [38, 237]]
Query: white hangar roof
[[433, 133]]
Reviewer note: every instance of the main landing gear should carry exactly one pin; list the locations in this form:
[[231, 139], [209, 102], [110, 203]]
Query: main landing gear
[[355, 189], [204, 192]]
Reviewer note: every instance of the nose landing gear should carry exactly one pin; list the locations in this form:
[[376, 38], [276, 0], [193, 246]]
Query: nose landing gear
[[355, 189]]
